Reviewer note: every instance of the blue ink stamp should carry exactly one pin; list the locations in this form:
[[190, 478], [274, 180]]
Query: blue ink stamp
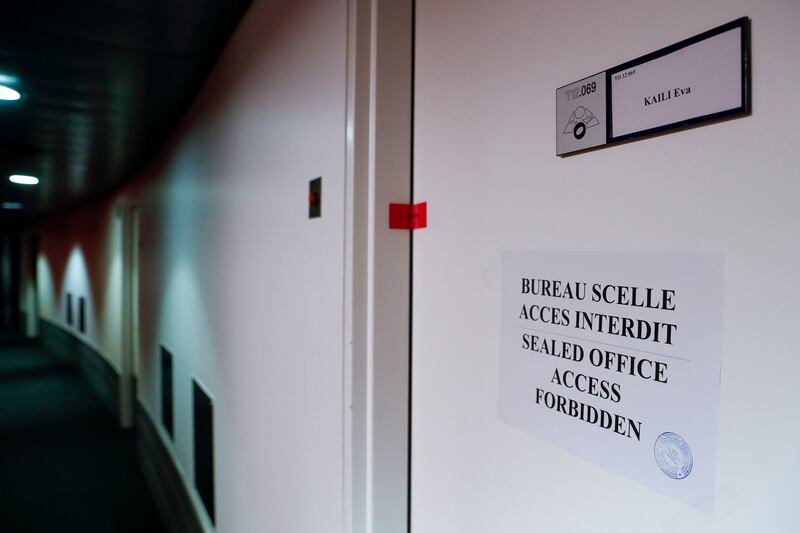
[[673, 455]]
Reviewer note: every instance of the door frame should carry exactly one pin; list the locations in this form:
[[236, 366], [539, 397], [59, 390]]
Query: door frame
[[379, 157], [31, 281], [130, 316]]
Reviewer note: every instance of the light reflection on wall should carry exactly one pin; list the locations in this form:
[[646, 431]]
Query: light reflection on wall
[[110, 316], [47, 302], [183, 324]]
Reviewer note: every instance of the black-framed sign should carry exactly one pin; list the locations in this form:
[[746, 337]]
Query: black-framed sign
[[703, 78], [82, 314], [167, 392], [69, 309], [203, 407]]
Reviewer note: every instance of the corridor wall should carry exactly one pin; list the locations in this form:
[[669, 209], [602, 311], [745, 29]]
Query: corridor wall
[[235, 280], [83, 258], [486, 74]]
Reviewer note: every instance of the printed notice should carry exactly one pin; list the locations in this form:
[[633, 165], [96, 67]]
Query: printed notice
[[615, 357]]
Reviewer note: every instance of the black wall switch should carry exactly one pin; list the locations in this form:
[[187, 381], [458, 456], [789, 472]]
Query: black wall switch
[[315, 198]]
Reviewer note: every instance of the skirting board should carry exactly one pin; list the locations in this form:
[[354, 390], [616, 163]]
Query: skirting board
[[170, 492], [103, 378]]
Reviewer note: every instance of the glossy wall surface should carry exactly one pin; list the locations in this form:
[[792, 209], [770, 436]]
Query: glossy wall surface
[[234, 279], [486, 74]]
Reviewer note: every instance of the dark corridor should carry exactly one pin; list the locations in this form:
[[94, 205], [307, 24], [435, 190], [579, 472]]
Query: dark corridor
[[65, 466]]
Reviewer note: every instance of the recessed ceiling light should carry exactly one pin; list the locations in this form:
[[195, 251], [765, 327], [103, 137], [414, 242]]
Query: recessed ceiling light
[[7, 93], [12, 205], [23, 180]]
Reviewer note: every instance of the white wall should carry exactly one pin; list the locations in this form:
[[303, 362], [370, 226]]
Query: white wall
[[274, 278], [235, 280], [486, 73], [81, 254]]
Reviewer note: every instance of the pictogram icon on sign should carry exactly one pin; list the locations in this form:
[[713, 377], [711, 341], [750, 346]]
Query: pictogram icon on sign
[[579, 121]]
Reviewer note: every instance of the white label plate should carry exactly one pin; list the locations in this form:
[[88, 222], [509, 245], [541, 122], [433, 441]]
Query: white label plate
[[698, 80], [581, 114]]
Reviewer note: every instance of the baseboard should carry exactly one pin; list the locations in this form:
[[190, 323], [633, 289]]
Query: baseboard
[[103, 378], [170, 492]]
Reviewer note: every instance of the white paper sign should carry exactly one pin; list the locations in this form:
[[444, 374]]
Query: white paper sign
[[615, 357]]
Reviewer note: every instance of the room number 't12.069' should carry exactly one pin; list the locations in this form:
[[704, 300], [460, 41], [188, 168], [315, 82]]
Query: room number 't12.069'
[[582, 90]]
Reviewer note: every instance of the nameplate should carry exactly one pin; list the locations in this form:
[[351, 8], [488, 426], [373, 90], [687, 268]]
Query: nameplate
[[699, 79]]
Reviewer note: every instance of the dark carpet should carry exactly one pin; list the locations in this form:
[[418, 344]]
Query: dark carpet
[[65, 466]]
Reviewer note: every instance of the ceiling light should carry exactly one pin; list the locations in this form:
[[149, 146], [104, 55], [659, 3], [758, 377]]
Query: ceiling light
[[12, 205], [23, 180], [7, 93]]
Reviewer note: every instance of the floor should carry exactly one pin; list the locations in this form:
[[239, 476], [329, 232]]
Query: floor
[[65, 466]]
